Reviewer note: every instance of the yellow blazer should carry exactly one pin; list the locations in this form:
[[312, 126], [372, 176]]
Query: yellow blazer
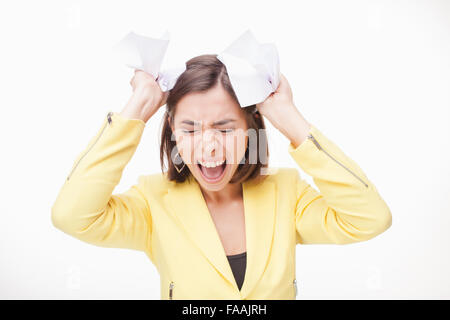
[[171, 223]]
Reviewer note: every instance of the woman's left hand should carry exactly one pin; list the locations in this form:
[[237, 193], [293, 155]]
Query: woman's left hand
[[279, 108]]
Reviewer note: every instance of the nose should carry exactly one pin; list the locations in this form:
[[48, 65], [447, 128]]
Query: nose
[[210, 144]]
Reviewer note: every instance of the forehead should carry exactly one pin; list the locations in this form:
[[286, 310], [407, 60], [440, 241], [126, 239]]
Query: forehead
[[212, 105]]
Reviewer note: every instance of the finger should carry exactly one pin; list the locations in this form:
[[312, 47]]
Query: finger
[[283, 83]]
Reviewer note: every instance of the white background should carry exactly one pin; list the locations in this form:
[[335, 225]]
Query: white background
[[374, 76]]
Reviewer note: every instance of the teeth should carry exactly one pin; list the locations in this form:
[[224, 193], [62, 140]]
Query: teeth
[[211, 164]]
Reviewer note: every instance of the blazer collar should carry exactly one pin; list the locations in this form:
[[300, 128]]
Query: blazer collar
[[187, 204]]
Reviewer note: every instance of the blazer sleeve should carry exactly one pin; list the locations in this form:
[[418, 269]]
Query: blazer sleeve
[[85, 207], [348, 207]]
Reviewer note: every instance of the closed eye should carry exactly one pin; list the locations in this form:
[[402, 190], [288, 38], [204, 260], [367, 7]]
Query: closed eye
[[221, 130], [226, 130]]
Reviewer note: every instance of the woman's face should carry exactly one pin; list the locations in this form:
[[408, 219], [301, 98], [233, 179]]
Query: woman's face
[[211, 136]]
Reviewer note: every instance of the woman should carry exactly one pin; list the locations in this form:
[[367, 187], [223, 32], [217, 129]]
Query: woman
[[218, 224]]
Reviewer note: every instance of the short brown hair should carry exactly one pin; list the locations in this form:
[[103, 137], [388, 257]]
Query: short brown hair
[[203, 73]]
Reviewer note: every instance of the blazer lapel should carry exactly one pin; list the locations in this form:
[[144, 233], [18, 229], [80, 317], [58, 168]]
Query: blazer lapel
[[187, 204]]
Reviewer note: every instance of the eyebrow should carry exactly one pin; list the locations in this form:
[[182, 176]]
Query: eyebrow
[[216, 123]]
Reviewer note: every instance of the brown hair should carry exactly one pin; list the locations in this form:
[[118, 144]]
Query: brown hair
[[203, 73]]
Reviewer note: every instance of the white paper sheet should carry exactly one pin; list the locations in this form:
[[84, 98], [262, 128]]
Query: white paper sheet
[[147, 54], [253, 68]]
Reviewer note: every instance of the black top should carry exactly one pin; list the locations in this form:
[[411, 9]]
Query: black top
[[238, 263]]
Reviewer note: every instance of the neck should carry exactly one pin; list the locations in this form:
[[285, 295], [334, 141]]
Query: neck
[[230, 192]]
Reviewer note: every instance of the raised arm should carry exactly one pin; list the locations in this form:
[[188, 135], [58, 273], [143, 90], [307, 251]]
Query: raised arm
[[85, 207], [348, 207]]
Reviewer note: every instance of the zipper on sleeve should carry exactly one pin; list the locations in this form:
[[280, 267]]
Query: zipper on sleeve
[[93, 144], [171, 286], [310, 136]]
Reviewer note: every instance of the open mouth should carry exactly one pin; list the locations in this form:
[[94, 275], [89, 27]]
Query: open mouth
[[212, 174]]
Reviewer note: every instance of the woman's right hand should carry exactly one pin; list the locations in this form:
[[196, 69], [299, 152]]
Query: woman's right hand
[[146, 99]]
